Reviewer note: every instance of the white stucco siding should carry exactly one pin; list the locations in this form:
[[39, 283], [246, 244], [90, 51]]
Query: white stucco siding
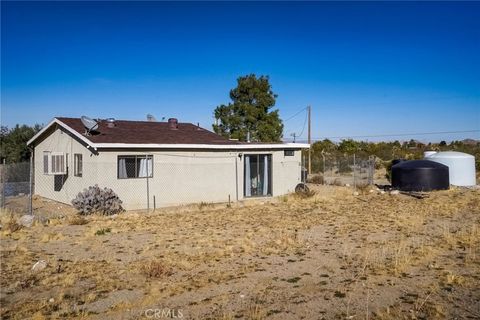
[[286, 172], [179, 177], [44, 184]]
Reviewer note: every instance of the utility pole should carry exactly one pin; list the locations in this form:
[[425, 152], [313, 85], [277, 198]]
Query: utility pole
[[309, 140]]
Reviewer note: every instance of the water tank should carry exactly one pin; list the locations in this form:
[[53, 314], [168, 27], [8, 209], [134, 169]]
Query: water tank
[[420, 175], [461, 166], [428, 153]]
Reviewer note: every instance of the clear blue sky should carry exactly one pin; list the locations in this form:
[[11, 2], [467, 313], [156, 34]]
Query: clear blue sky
[[366, 68]]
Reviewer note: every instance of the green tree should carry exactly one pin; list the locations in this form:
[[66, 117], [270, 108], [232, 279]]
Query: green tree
[[250, 111], [13, 147], [349, 146]]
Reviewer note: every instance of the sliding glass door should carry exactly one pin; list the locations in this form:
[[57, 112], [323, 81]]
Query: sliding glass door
[[258, 175]]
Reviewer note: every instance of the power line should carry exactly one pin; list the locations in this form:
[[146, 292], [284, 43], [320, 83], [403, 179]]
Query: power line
[[396, 134], [296, 114], [304, 124]]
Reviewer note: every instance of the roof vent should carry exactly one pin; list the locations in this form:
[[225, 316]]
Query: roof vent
[[110, 122], [173, 123], [151, 118]]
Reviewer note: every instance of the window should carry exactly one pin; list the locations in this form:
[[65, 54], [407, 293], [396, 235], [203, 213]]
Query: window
[[58, 163], [77, 165], [289, 153], [258, 175], [55, 163], [46, 157], [135, 166]]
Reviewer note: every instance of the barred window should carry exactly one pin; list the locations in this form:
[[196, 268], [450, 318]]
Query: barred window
[[46, 156], [78, 165], [55, 163], [58, 163], [135, 166]]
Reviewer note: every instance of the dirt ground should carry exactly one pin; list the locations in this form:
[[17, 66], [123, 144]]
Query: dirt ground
[[332, 255]]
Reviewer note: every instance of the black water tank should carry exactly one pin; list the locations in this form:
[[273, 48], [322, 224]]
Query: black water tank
[[395, 161], [420, 175]]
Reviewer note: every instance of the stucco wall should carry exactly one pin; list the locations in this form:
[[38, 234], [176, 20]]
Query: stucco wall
[[61, 141], [179, 177]]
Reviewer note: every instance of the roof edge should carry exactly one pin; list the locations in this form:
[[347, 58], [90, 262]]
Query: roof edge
[[168, 146], [202, 146], [72, 131]]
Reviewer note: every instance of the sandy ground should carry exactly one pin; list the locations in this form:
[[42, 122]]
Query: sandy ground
[[329, 256]]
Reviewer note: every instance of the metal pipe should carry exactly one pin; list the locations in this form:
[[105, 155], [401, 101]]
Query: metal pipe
[[30, 204]]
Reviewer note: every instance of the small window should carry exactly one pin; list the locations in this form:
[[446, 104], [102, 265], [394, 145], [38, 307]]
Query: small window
[[289, 153], [130, 167], [58, 163], [46, 156], [77, 165]]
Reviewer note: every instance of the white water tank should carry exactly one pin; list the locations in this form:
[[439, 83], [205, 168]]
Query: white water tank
[[461, 166], [428, 153]]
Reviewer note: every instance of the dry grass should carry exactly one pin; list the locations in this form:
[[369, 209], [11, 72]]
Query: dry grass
[[327, 255], [77, 220], [155, 269]]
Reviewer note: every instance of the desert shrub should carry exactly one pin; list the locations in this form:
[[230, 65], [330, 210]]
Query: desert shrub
[[337, 182], [97, 200], [316, 179], [363, 188], [155, 269], [103, 231], [12, 225], [77, 220]]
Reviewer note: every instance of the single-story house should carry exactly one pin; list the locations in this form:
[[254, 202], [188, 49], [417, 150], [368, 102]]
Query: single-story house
[[159, 164]]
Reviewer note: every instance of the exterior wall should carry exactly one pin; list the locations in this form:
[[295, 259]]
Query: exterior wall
[[179, 177], [61, 141]]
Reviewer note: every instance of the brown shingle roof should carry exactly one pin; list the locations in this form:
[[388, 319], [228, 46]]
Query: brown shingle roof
[[146, 132]]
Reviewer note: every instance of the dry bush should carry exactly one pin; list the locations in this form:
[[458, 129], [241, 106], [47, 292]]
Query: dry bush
[[77, 220], [305, 194], [155, 269], [12, 225], [337, 182], [316, 179], [202, 205], [363, 188]]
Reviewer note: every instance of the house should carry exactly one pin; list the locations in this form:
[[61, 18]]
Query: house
[[156, 164]]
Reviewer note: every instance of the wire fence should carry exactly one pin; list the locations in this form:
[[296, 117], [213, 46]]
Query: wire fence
[[347, 170], [152, 181], [15, 187]]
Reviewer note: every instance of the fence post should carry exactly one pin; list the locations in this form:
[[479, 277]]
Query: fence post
[[323, 173], [2, 199], [148, 187], [354, 168], [30, 203]]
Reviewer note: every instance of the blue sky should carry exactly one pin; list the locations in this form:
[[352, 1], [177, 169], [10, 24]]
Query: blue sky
[[366, 68]]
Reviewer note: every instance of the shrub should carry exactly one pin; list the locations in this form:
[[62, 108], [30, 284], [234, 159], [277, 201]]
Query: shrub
[[155, 269], [316, 179], [103, 231], [96, 200], [337, 182], [12, 225], [77, 221]]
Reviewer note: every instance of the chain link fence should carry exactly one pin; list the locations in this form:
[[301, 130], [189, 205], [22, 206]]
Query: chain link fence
[[15, 187], [152, 181], [343, 170]]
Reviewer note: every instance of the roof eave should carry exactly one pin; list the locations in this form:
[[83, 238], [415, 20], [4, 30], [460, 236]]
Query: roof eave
[[96, 146], [202, 146], [69, 129]]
